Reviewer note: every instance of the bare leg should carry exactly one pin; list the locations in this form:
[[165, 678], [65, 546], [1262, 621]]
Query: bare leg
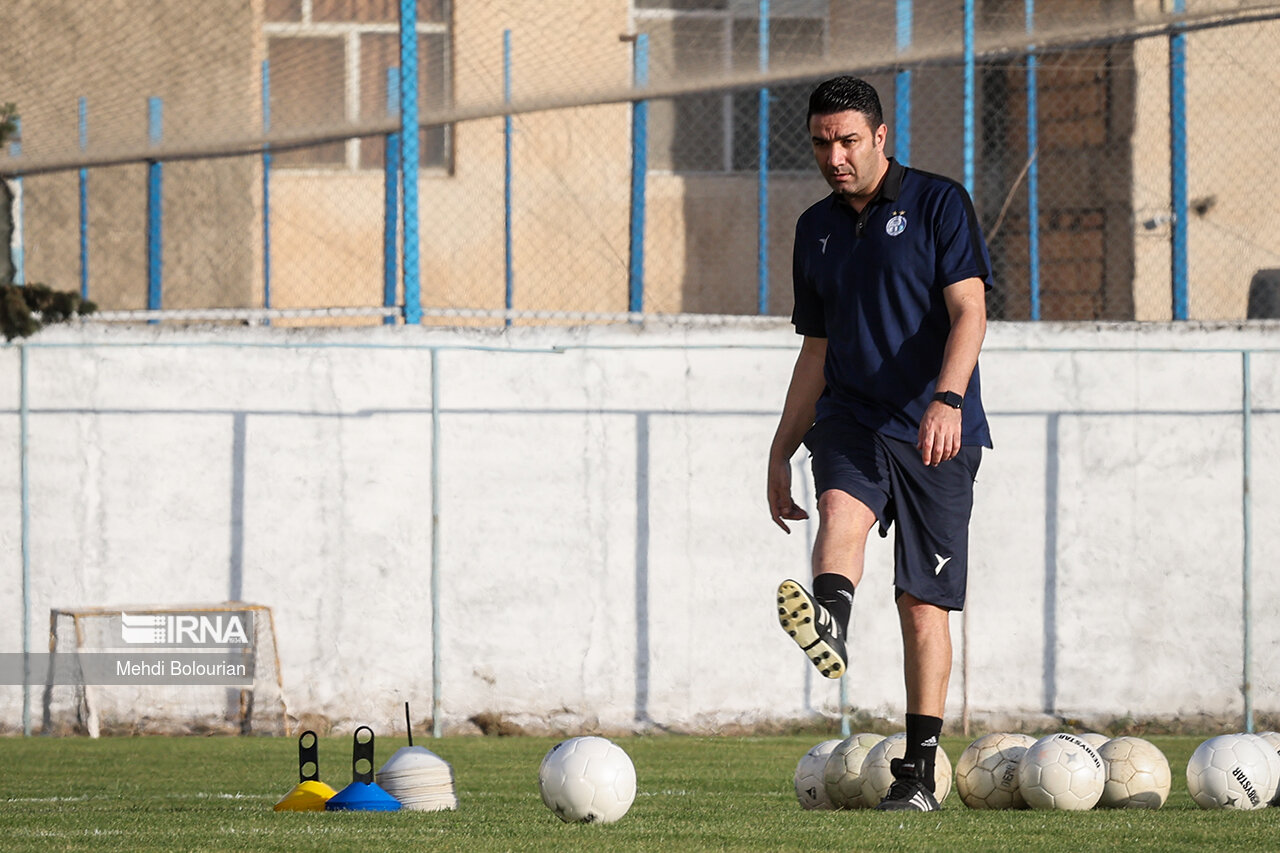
[[841, 543], [838, 552], [926, 647]]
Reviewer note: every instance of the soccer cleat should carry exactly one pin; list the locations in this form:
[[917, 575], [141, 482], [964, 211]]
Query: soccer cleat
[[811, 626], [908, 793]]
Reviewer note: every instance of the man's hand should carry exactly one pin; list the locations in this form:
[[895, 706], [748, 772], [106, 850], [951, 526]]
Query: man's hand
[[939, 438], [780, 503]]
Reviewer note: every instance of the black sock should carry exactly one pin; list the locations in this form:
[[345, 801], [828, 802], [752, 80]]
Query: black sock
[[922, 744], [834, 592]]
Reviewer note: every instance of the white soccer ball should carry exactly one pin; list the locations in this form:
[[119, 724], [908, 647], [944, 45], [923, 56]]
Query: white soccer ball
[[1138, 775], [810, 790], [1273, 739], [587, 780], [877, 777], [1273, 764], [843, 773], [1228, 772], [1061, 771], [987, 772]]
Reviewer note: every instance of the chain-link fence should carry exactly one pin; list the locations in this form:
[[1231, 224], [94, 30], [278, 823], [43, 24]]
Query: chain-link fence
[[597, 160]]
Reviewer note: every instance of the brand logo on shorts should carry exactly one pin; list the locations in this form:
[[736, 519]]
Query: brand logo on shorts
[[896, 224], [942, 561]]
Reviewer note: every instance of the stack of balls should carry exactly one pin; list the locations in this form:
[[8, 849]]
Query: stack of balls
[[997, 771], [854, 773], [1062, 771]]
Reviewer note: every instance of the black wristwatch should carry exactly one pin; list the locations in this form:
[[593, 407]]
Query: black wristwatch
[[950, 398]]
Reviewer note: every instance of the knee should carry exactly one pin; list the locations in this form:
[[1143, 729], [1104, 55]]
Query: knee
[[842, 509], [830, 502], [922, 619]]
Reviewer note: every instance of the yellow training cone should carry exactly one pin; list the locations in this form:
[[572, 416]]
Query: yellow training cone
[[309, 796]]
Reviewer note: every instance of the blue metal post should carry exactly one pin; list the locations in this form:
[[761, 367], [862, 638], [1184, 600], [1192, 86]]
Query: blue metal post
[[266, 189], [1033, 170], [762, 216], [83, 121], [639, 167], [410, 156], [1178, 165], [391, 200], [507, 130], [902, 87], [155, 205], [969, 99]]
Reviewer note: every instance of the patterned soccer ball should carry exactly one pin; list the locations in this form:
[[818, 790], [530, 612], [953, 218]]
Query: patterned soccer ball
[[1138, 775], [877, 777], [1228, 772], [587, 780], [987, 772], [1061, 771], [810, 790], [1273, 739], [1273, 765], [843, 773]]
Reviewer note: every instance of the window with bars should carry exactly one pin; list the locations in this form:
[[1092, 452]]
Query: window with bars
[[720, 132], [331, 62]]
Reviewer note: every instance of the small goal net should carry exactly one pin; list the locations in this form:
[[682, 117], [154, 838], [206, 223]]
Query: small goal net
[[163, 669]]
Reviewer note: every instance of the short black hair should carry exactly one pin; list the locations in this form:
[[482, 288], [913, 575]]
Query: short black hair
[[846, 93]]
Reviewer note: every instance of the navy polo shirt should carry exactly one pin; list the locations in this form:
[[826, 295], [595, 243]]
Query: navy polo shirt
[[871, 284]]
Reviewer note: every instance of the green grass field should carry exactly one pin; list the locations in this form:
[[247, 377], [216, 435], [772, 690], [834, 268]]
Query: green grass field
[[695, 793]]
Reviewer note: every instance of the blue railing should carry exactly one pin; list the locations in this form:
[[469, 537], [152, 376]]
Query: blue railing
[[401, 254], [639, 168]]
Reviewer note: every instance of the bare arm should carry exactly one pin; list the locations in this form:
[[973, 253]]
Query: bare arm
[[807, 384], [939, 438]]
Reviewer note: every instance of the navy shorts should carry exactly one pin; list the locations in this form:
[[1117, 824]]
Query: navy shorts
[[931, 506]]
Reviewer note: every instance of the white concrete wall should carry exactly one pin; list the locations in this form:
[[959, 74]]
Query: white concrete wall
[[606, 558]]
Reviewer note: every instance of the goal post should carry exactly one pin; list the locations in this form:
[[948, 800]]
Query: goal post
[[164, 669]]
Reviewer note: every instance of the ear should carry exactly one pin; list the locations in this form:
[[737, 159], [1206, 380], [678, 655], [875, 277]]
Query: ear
[[882, 133]]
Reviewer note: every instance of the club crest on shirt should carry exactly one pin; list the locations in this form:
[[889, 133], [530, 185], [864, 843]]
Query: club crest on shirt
[[896, 224]]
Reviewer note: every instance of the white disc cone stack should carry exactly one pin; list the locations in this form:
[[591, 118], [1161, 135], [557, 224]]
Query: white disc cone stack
[[419, 779]]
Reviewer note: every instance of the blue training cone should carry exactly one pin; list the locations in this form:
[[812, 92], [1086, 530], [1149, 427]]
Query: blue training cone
[[363, 794]]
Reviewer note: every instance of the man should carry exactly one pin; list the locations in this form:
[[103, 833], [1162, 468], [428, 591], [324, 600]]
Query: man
[[890, 274]]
